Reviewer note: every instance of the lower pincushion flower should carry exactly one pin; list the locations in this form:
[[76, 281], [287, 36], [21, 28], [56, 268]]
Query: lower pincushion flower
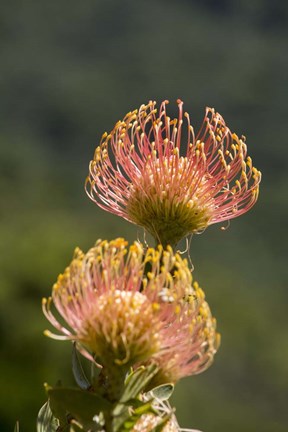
[[125, 306], [145, 172]]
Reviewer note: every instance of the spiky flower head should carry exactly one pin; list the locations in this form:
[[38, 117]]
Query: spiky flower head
[[125, 306], [145, 172], [189, 342]]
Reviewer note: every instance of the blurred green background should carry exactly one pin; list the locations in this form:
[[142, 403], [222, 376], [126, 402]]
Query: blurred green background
[[69, 71]]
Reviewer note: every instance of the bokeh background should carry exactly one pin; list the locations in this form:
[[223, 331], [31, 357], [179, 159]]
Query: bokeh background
[[69, 71]]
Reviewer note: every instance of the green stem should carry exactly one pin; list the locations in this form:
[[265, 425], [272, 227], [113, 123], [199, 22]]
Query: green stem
[[112, 381]]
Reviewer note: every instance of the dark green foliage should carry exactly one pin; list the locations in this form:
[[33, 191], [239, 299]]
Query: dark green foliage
[[90, 410], [67, 403]]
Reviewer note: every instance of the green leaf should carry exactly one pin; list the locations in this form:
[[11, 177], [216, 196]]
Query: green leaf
[[16, 428], [46, 422], [78, 371], [81, 405], [144, 408], [162, 392], [125, 416], [121, 413], [137, 381], [58, 411]]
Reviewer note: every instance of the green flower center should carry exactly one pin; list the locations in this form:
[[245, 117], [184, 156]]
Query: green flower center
[[169, 201]]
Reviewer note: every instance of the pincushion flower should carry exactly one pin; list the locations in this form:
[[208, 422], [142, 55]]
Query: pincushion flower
[[155, 172], [126, 307], [190, 340]]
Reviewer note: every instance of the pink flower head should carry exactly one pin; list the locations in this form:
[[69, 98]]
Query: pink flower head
[[127, 306], [190, 342], [144, 172]]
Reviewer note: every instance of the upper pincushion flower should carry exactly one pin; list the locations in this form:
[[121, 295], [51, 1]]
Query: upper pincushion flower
[[145, 172], [127, 306]]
